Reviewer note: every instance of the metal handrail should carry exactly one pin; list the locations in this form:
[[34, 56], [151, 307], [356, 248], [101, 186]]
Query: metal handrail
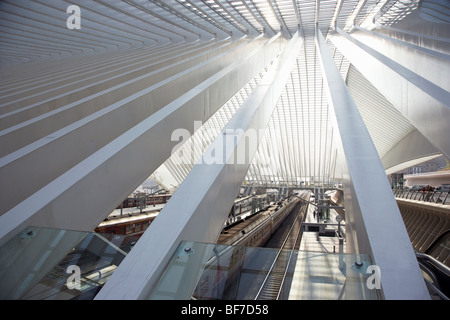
[[442, 268], [426, 196], [436, 263], [290, 255]]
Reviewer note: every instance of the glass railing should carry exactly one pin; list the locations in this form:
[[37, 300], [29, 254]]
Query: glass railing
[[206, 271], [44, 263]]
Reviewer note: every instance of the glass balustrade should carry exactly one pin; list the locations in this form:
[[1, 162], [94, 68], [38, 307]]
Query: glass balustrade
[[207, 271], [44, 263]]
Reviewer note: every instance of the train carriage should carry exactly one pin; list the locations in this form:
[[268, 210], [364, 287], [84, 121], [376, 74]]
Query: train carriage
[[252, 232]]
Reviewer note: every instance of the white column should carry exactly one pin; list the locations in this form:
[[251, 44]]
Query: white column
[[374, 227], [199, 207], [83, 193], [425, 104]]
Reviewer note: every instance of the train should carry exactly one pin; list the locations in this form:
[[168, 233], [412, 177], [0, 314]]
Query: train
[[223, 267], [250, 223], [128, 226], [132, 226], [246, 206], [138, 200], [255, 229]]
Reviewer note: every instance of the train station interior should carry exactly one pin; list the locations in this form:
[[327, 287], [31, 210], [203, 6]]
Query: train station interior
[[225, 150]]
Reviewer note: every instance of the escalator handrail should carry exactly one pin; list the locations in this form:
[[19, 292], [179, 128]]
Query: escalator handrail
[[436, 263], [435, 269]]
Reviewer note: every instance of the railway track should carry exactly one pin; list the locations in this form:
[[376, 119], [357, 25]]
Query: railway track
[[271, 288]]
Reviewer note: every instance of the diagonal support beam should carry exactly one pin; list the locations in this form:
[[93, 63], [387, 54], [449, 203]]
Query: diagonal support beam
[[68, 201], [425, 104], [374, 227], [76, 199], [200, 206]]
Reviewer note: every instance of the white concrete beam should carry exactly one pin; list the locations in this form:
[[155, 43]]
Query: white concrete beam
[[429, 64], [60, 108], [374, 227], [91, 122], [76, 199], [425, 104], [68, 83], [200, 206]]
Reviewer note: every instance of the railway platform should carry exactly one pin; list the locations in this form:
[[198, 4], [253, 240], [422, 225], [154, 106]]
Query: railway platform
[[320, 234], [319, 270], [197, 270], [321, 258]]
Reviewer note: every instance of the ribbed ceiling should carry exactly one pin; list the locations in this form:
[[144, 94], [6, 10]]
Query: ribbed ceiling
[[384, 122], [36, 30], [117, 37]]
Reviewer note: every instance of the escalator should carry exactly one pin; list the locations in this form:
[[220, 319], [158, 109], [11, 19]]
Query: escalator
[[436, 275]]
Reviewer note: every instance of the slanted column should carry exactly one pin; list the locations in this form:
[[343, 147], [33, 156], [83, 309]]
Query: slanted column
[[83, 195], [198, 209], [374, 227], [75, 199], [425, 104]]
